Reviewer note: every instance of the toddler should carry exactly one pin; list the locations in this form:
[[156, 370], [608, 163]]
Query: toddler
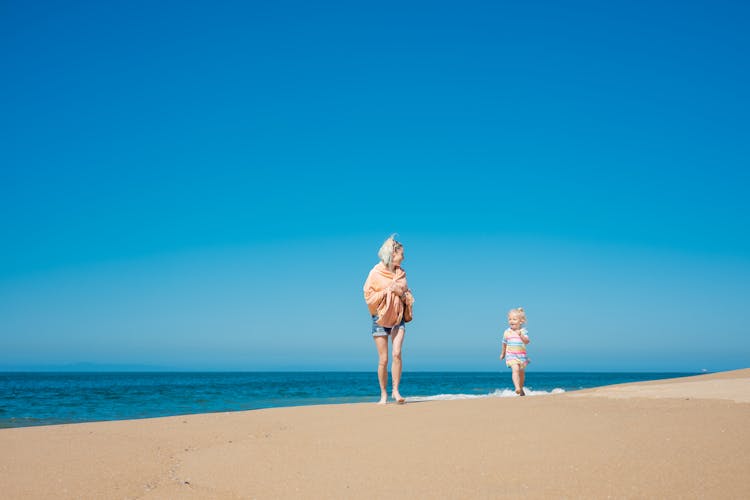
[[515, 339]]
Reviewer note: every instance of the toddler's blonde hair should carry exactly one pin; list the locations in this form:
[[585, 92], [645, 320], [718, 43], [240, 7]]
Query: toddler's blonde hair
[[518, 311]]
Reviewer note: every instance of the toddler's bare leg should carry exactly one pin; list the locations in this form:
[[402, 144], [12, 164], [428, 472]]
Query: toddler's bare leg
[[516, 378]]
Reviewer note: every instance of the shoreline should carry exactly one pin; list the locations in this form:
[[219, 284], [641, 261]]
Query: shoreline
[[672, 438], [69, 401]]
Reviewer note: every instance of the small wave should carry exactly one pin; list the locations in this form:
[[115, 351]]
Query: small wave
[[498, 393]]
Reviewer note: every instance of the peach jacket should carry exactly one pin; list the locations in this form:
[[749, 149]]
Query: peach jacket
[[387, 305]]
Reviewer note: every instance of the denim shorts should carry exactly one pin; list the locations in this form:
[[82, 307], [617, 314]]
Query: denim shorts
[[382, 331]]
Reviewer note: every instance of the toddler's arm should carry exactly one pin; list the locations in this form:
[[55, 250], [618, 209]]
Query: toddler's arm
[[502, 353]]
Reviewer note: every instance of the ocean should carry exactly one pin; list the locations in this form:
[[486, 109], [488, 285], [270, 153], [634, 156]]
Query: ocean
[[44, 398]]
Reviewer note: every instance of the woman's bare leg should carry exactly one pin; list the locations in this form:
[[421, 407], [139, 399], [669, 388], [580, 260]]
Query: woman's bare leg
[[397, 365], [382, 344]]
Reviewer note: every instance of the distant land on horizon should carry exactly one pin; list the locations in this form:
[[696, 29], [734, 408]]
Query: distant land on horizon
[[89, 367]]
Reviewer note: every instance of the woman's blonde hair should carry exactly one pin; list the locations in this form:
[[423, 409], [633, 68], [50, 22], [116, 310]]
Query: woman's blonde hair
[[387, 249], [518, 311]]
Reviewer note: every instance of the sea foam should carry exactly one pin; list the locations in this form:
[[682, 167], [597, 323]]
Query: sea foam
[[498, 393]]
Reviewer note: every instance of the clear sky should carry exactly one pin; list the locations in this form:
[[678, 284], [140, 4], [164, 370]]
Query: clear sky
[[205, 185]]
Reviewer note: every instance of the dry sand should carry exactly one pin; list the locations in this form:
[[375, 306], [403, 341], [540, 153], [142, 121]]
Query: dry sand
[[681, 438]]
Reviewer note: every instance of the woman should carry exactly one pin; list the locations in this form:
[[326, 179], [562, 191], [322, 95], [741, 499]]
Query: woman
[[389, 300]]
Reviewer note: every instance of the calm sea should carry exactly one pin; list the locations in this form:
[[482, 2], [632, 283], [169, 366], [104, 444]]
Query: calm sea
[[44, 398]]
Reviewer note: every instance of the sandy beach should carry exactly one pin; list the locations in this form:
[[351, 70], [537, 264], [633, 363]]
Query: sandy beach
[[679, 438]]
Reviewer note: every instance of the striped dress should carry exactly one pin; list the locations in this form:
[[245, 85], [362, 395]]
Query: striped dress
[[515, 349]]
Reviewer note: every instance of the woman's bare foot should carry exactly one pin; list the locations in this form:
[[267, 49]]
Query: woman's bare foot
[[398, 398], [383, 399]]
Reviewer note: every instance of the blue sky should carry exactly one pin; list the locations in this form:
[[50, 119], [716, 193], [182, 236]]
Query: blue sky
[[205, 185]]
